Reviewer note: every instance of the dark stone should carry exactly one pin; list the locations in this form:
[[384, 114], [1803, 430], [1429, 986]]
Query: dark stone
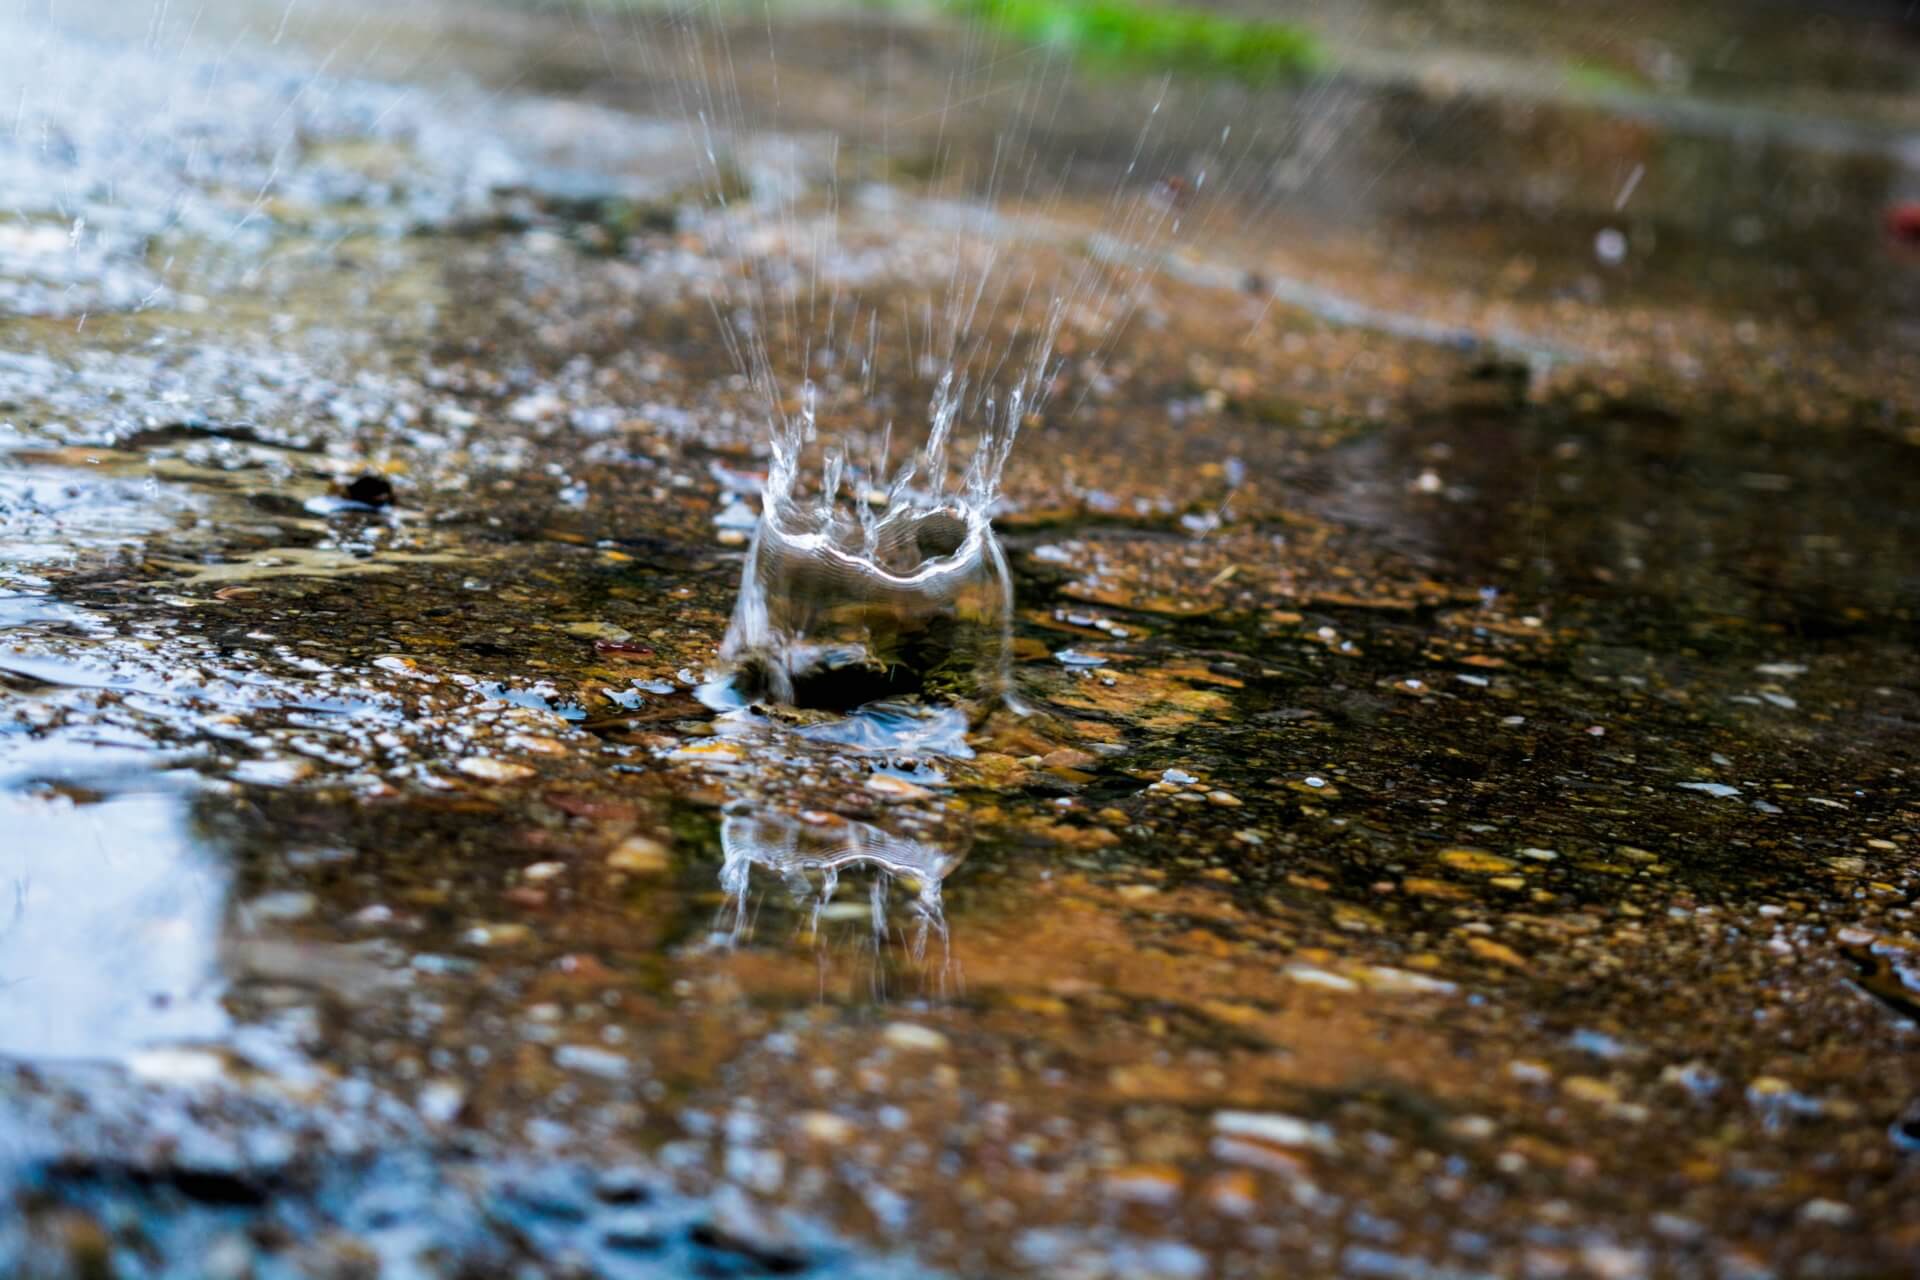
[[372, 490]]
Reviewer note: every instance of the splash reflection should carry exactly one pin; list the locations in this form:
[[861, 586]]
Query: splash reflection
[[811, 855]]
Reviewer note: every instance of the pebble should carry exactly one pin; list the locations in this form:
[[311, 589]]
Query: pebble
[[599, 631], [713, 751], [488, 769], [826, 1128], [497, 935], [1233, 1194], [370, 490], [1401, 982], [1589, 1089], [885, 784], [291, 904], [1475, 1128], [272, 773], [1499, 952], [440, 1101], [1272, 1126], [1310, 976], [914, 1038], [1478, 861], [1153, 1184], [592, 1061], [640, 856], [1829, 1212]]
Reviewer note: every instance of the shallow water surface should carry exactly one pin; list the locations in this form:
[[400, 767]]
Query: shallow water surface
[[1457, 814]]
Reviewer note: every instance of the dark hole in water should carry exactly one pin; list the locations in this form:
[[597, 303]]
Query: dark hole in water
[[370, 490]]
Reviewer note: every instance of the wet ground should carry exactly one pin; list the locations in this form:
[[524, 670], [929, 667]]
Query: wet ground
[[1466, 823]]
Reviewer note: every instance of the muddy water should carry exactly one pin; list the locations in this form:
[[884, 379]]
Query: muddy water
[[1467, 823]]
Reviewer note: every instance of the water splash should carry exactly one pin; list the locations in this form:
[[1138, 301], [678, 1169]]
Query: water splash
[[884, 581], [874, 572]]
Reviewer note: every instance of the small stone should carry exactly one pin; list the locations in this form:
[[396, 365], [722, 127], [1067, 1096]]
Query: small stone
[[712, 751], [497, 935], [290, 904], [1234, 1194], [1499, 952], [488, 769], [369, 490], [272, 773], [1472, 1128], [826, 1128], [1675, 1227], [1401, 982], [1312, 977], [599, 631], [914, 1038], [1224, 799], [592, 1060], [640, 856], [1588, 1089], [1477, 861], [441, 1100], [1828, 1212], [1272, 1126], [885, 784], [228, 1258], [542, 871], [1154, 1184], [1068, 758]]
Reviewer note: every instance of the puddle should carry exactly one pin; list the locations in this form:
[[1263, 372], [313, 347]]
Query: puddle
[[1456, 814]]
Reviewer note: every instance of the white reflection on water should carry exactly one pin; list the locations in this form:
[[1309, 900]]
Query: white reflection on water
[[109, 927]]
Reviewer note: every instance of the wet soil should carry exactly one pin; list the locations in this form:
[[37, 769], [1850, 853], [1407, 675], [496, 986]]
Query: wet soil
[[1466, 820]]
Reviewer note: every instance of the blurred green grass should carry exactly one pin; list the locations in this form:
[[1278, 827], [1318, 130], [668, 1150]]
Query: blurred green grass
[[1128, 35], [1154, 37]]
